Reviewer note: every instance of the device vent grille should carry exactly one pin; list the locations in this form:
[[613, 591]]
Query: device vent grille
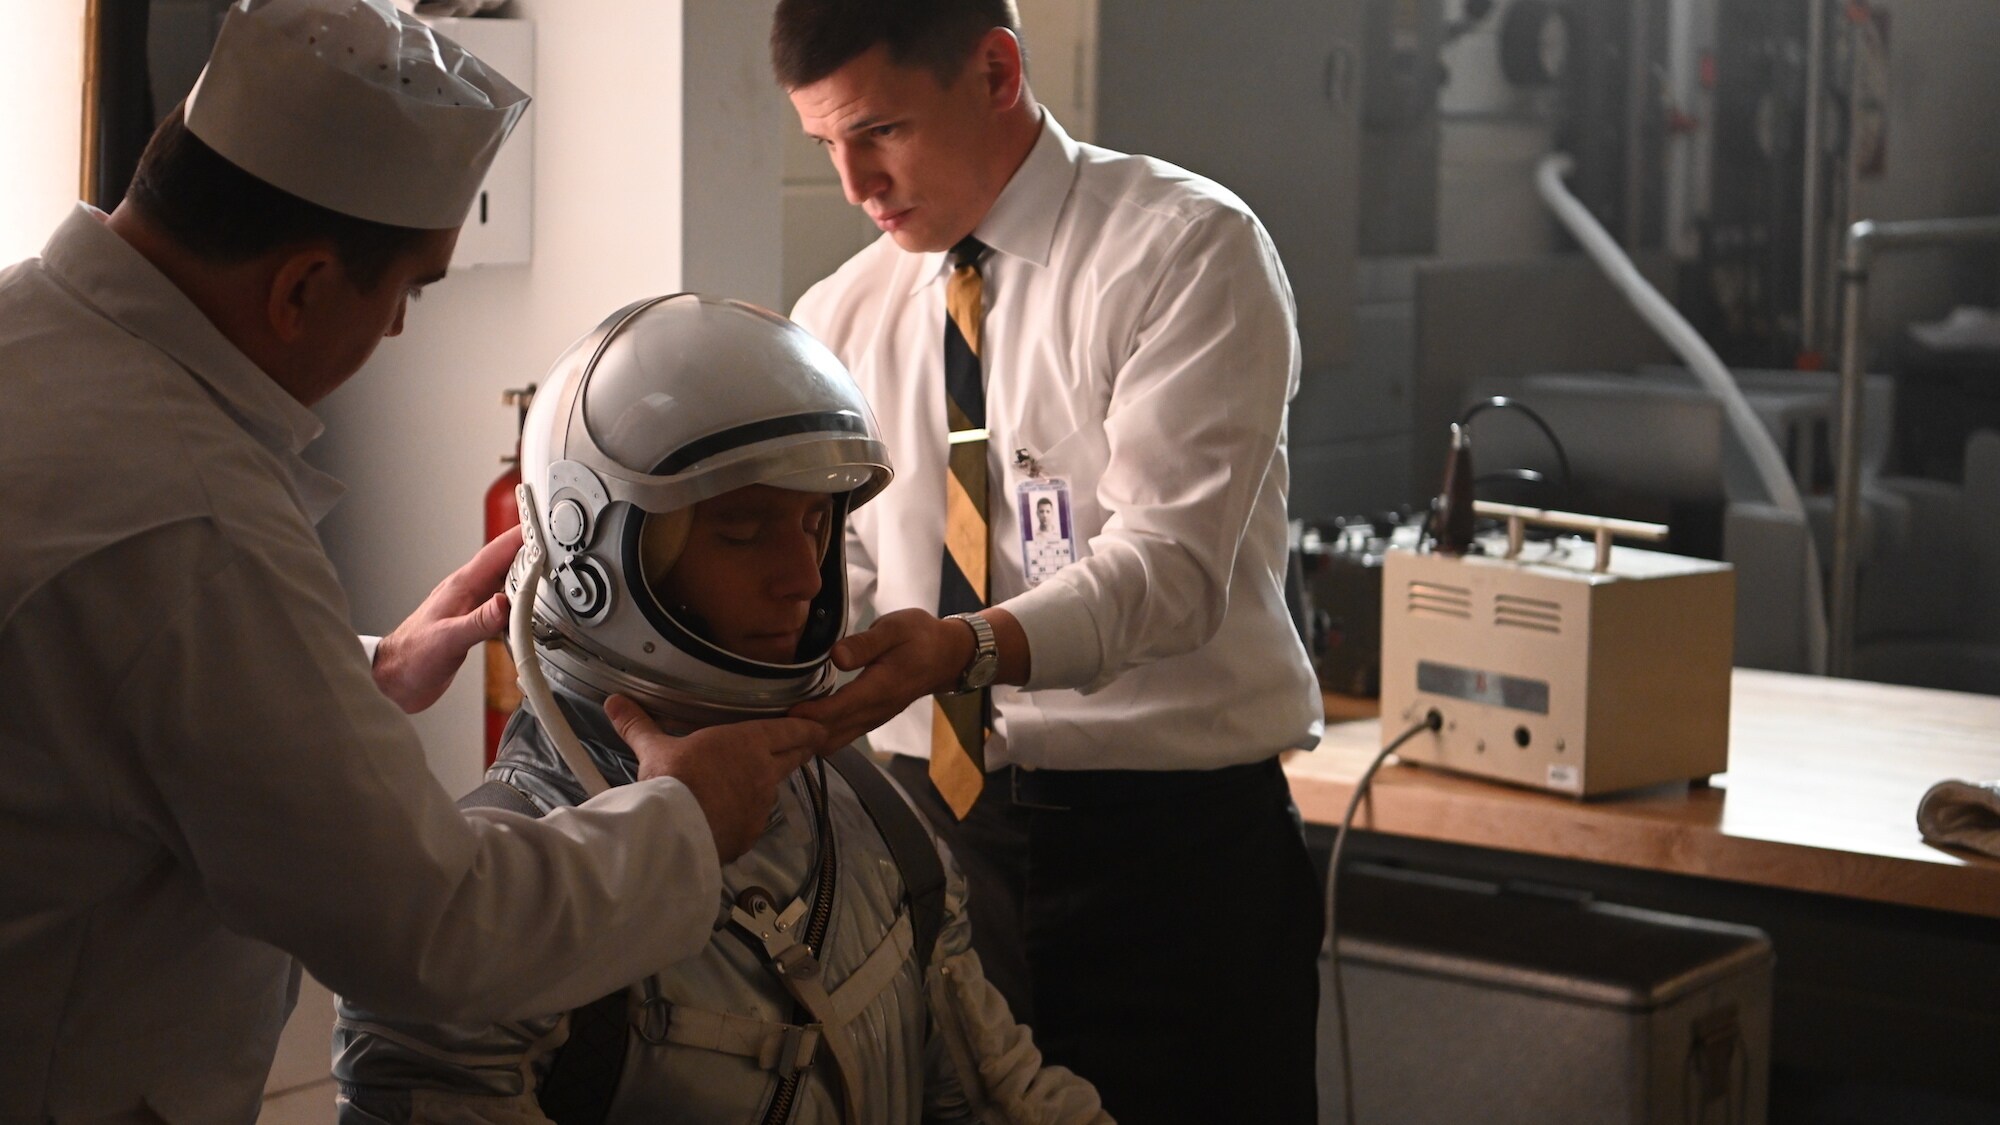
[[1439, 600], [1517, 612]]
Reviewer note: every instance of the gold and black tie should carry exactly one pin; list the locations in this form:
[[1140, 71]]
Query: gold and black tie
[[959, 722]]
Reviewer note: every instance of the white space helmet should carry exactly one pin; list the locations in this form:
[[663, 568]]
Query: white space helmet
[[671, 401]]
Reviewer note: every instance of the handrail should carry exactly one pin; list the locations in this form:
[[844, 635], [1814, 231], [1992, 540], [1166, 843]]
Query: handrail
[[1864, 240], [1600, 528]]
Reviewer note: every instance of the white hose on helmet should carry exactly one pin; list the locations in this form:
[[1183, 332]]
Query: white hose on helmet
[[528, 666]]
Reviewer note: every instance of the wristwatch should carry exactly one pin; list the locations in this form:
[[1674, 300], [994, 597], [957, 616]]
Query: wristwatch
[[985, 655]]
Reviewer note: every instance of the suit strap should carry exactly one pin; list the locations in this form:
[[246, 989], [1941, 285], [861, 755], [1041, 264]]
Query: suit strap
[[500, 795], [583, 1073], [910, 845]]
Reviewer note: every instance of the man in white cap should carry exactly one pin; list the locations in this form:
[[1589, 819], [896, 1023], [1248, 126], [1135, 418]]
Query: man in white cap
[[201, 776]]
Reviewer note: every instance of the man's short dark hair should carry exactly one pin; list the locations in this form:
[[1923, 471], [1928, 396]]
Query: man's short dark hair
[[811, 39], [220, 213]]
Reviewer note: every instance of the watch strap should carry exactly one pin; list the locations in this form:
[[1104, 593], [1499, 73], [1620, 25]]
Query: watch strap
[[985, 664]]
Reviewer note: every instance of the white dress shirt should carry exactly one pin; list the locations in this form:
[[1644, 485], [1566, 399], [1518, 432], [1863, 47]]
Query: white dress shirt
[[1139, 343], [198, 776]]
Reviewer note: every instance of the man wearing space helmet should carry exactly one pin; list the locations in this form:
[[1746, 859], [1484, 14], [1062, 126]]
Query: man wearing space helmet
[[690, 465]]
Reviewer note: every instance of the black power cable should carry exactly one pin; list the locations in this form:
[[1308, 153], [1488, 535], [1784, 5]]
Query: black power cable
[[1428, 531], [1433, 721], [1502, 402]]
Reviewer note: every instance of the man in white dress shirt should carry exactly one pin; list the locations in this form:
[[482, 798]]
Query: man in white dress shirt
[[1117, 336], [201, 775]]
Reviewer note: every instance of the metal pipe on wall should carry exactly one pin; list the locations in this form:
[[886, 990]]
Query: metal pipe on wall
[[1813, 238], [1864, 241], [1639, 103]]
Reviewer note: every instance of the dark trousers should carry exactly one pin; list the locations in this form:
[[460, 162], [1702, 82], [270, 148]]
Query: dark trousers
[[1162, 941]]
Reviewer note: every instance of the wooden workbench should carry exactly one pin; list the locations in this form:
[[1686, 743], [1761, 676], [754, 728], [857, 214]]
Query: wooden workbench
[[1821, 796]]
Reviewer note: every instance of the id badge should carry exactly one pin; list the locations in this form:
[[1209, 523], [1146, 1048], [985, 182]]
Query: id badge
[[1048, 538]]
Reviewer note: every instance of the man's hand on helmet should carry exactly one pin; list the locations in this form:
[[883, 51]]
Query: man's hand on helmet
[[416, 663], [734, 770], [905, 656]]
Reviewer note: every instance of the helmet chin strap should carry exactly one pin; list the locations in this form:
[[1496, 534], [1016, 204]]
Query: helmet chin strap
[[533, 563]]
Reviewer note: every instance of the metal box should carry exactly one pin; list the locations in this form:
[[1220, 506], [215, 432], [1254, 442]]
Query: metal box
[[1470, 1002], [1553, 675]]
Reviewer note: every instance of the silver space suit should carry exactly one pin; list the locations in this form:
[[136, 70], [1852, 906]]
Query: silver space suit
[[840, 984]]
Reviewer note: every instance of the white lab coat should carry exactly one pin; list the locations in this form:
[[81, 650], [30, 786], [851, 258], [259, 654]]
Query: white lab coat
[[198, 777]]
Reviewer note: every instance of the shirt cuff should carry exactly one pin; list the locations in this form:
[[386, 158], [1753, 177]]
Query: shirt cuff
[[1063, 649], [369, 645]]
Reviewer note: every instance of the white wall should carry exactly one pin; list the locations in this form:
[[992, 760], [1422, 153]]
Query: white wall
[[734, 143], [418, 434], [41, 72]]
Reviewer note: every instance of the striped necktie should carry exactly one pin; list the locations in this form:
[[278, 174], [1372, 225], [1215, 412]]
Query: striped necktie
[[959, 722]]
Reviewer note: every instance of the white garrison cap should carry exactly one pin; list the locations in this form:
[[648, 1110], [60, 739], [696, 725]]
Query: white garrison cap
[[355, 106]]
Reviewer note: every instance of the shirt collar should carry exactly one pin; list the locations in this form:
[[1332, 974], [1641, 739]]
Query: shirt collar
[[1022, 221], [109, 274]]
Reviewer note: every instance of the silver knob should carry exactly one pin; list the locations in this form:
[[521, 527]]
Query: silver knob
[[566, 524]]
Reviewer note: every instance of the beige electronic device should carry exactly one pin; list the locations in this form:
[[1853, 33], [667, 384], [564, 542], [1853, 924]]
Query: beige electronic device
[[1560, 665]]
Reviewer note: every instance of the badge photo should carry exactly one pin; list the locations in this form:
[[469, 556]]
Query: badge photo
[[1048, 538]]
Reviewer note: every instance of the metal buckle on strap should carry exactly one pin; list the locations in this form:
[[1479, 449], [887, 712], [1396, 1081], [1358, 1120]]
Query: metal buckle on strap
[[656, 1015], [777, 933], [791, 1050], [796, 962]]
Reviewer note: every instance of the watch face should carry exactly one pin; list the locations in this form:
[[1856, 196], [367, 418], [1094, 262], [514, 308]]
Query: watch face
[[982, 672]]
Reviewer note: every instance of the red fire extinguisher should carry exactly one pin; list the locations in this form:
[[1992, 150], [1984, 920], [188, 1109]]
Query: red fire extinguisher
[[503, 689]]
